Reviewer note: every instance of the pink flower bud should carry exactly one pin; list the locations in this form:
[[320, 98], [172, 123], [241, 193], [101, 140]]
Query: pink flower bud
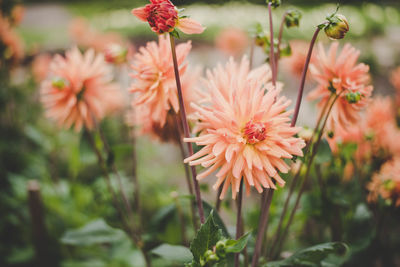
[[160, 14], [163, 17]]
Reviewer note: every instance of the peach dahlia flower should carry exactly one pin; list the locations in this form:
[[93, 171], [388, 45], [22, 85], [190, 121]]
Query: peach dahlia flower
[[79, 89], [339, 73], [14, 49], [154, 83], [386, 183], [244, 128], [163, 17], [374, 133], [141, 115]]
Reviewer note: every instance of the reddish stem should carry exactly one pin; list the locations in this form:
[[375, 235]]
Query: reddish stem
[[271, 52], [303, 77], [186, 129], [266, 199], [239, 220]]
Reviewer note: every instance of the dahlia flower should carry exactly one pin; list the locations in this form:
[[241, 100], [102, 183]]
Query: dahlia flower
[[163, 17], [232, 41], [79, 89], [154, 79], [386, 183], [167, 131], [244, 128], [341, 75], [375, 132], [13, 46]]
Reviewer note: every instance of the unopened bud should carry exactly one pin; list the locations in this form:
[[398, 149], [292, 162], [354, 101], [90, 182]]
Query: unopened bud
[[292, 18], [115, 54], [274, 3], [59, 83], [353, 98], [337, 27]]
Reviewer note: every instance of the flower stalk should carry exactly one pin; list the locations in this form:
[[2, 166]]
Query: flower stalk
[[313, 150], [303, 77], [186, 130], [239, 201], [272, 53], [266, 199]]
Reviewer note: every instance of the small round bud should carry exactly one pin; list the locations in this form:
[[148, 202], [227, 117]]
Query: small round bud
[[59, 83], [220, 248], [337, 27], [274, 3], [292, 18], [353, 98], [331, 134], [115, 54], [306, 134]]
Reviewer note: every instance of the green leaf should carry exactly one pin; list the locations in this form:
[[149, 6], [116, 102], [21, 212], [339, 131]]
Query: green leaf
[[236, 246], [95, 232], [208, 209], [179, 254], [175, 34], [207, 236], [312, 256]]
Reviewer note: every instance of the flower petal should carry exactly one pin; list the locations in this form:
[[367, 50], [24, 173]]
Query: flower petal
[[190, 26], [140, 13]]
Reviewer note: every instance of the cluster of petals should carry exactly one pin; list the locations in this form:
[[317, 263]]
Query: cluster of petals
[[375, 133], [167, 129], [339, 73], [84, 92], [244, 128], [232, 41], [386, 183], [163, 17], [154, 85], [14, 49]]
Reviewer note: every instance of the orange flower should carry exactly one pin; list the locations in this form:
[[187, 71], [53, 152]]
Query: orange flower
[[14, 50], [244, 127], [375, 132], [232, 41], [154, 79], [386, 183], [141, 115], [163, 17], [80, 89], [341, 75]]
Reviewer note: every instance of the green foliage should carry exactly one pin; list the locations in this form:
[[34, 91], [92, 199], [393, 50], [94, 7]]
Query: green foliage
[[211, 247], [95, 232], [179, 254], [207, 237], [312, 256]]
